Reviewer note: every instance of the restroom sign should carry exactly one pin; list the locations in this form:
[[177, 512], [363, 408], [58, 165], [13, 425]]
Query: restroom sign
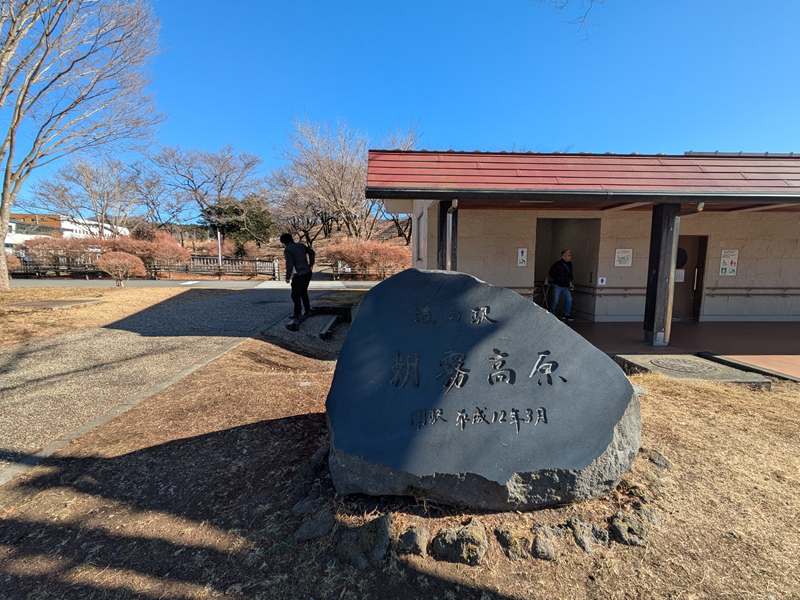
[[729, 263], [522, 257]]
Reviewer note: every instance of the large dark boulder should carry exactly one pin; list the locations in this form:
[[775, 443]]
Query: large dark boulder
[[456, 390]]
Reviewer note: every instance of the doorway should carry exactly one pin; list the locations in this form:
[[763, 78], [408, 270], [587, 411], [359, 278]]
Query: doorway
[[582, 237], [687, 299]]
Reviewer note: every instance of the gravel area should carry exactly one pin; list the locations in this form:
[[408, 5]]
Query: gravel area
[[50, 386], [307, 340]]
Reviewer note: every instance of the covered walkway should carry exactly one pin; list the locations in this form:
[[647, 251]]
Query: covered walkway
[[773, 346]]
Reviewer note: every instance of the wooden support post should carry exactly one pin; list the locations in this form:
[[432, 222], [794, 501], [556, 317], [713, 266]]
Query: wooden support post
[[660, 271]]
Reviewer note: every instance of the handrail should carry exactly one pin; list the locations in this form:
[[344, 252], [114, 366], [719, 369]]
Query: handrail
[[754, 291]]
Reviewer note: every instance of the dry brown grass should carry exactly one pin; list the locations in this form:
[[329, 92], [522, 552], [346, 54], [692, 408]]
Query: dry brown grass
[[217, 453], [20, 323]]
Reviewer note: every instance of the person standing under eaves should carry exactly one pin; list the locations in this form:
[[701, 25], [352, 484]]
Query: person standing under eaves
[[561, 274]]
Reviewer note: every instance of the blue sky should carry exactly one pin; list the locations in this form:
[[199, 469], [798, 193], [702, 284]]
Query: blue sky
[[655, 76]]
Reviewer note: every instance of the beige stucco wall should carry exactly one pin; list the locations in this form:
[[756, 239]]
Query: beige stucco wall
[[769, 256], [768, 245]]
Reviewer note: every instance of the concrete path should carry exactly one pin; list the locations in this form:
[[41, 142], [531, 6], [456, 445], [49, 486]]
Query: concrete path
[[52, 386], [225, 284]]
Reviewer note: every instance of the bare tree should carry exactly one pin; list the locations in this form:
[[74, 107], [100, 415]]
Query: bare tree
[[162, 206], [83, 190], [582, 18], [402, 140], [294, 209], [73, 76], [213, 181], [330, 165]]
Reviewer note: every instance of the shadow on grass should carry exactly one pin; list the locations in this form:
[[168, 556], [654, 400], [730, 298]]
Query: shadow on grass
[[196, 517]]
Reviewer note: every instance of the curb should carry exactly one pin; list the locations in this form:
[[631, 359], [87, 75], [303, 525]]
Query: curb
[[32, 460]]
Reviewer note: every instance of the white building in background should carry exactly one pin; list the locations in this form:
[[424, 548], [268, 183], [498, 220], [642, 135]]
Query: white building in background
[[49, 225], [84, 228], [21, 232]]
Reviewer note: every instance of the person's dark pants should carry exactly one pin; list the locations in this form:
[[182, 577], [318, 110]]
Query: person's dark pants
[[300, 293]]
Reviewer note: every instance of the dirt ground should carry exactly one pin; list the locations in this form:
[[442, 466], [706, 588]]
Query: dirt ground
[[188, 495]]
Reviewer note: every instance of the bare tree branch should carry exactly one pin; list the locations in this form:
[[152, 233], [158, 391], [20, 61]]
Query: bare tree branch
[[73, 77], [330, 165], [214, 182], [582, 19], [83, 190]]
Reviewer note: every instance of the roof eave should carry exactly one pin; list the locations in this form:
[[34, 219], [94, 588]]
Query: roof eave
[[394, 193]]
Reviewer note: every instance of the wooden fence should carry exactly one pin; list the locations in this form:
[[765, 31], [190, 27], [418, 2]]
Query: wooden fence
[[199, 265]]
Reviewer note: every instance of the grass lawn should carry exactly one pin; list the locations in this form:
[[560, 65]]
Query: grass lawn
[[189, 495]]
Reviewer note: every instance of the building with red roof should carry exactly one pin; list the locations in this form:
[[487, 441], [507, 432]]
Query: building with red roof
[[700, 236]]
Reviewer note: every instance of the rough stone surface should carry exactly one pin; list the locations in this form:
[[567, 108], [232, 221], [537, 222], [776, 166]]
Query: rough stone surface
[[318, 525], [587, 535], [366, 546], [516, 544], [413, 541], [655, 457], [305, 506], [542, 548], [600, 535], [451, 389], [629, 529], [550, 533], [466, 544], [647, 513]]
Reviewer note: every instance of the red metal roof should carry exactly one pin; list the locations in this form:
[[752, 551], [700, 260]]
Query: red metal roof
[[463, 175]]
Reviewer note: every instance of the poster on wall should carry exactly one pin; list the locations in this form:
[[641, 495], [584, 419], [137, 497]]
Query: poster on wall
[[522, 257], [623, 257], [729, 263]]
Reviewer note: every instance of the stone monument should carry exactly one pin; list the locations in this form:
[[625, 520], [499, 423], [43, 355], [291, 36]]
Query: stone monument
[[455, 390]]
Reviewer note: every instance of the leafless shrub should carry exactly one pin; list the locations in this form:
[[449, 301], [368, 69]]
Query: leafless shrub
[[121, 266], [369, 255]]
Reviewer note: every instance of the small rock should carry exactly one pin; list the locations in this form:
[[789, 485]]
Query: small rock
[[585, 535], [516, 544], [629, 529], [366, 546], [318, 525], [582, 534], [304, 507], [600, 535], [640, 493], [542, 548], [646, 513], [655, 457], [549, 533], [413, 541], [465, 544]]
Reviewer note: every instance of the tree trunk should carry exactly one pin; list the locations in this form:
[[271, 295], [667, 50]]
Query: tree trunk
[[5, 285]]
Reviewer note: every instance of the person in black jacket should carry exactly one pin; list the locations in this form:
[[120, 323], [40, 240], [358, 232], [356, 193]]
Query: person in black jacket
[[561, 274], [298, 271]]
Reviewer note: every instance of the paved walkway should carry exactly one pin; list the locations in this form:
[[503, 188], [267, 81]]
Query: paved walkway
[[773, 346], [225, 284], [52, 386]]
